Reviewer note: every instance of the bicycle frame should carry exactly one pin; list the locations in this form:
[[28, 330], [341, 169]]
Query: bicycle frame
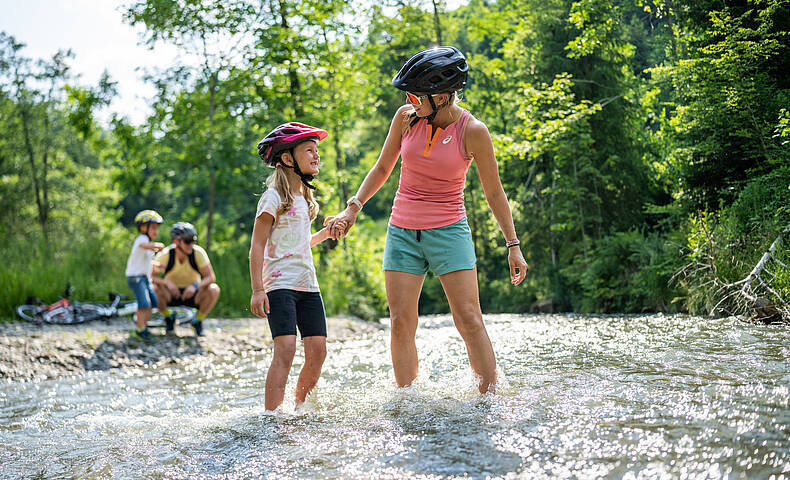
[[61, 307]]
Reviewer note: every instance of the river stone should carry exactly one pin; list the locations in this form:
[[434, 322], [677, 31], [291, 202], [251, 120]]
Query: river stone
[[29, 352]]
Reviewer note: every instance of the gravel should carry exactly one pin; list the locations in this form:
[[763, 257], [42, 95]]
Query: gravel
[[31, 352]]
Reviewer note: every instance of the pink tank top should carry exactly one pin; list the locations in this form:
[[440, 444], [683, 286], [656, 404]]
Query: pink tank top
[[433, 176]]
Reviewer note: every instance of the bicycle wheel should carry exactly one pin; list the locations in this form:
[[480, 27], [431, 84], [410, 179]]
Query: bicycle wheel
[[29, 313], [183, 315], [60, 316], [126, 309], [85, 312]]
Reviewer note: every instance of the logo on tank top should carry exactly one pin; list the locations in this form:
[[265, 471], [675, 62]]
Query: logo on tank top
[[447, 140]]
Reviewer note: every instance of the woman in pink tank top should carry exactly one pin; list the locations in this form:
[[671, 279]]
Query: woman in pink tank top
[[437, 141]]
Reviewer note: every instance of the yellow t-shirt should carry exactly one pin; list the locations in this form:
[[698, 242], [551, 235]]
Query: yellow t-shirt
[[182, 273]]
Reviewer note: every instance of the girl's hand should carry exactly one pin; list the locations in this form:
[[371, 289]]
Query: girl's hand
[[334, 226], [342, 223], [158, 246], [259, 304], [518, 266]]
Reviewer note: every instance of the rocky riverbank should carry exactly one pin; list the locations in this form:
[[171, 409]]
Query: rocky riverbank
[[30, 352]]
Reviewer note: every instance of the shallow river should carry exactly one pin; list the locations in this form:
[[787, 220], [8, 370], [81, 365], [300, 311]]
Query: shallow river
[[581, 397]]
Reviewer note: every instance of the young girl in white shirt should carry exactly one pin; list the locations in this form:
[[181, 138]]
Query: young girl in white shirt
[[284, 284]]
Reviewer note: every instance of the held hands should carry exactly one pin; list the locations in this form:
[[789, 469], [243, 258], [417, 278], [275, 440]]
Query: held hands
[[332, 225], [259, 304], [340, 224], [518, 266]]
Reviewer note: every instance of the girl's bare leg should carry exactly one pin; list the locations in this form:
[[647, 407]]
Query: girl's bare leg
[[314, 355], [403, 294], [277, 376]]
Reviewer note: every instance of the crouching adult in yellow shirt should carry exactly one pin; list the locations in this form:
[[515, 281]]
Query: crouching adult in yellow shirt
[[187, 279]]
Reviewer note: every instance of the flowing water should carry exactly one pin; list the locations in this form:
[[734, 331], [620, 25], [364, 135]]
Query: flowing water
[[581, 397]]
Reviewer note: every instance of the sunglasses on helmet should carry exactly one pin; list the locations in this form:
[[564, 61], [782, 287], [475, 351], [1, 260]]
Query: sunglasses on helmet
[[415, 99]]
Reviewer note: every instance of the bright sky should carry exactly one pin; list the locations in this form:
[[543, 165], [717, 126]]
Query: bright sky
[[100, 40], [94, 30]]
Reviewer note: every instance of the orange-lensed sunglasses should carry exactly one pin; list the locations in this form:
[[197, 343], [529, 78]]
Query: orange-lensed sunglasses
[[414, 99]]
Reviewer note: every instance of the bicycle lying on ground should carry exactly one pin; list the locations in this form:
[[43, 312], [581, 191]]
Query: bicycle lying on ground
[[67, 312]]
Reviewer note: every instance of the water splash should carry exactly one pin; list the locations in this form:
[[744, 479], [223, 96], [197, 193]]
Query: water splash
[[579, 396]]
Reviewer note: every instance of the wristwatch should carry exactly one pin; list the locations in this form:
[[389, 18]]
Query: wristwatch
[[355, 201]]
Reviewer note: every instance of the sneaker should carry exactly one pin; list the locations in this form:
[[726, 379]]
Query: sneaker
[[170, 323], [198, 326], [143, 335]]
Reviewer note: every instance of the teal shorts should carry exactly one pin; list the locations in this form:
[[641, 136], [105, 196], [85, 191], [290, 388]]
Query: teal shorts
[[443, 250]]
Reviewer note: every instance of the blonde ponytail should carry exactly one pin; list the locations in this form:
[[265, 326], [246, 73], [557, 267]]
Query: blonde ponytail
[[279, 181]]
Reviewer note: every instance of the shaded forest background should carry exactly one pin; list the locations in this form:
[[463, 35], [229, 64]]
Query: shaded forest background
[[634, 138]]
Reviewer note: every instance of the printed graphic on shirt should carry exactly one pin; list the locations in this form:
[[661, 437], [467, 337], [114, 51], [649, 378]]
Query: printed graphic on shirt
[[287, 259]]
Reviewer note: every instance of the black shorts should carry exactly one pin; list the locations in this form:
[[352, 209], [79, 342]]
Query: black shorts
[[186, 302], [289, 309]]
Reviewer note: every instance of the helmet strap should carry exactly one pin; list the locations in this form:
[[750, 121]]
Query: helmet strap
[[306, 178], [435, 110], [178, 247]]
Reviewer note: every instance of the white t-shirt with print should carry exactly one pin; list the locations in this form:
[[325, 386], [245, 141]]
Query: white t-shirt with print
[[139, 262], [287, 258]]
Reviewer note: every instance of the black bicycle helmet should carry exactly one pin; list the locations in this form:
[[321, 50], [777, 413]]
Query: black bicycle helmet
[[434, 70], [183, 230]]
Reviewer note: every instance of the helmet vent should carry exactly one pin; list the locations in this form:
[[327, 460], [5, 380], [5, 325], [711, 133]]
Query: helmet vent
[[435, 70]]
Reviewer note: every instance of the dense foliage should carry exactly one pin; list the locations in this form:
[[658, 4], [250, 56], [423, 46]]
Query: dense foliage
[[622, 128]]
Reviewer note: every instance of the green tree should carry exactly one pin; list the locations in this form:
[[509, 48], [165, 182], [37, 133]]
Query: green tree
[[215, 35]]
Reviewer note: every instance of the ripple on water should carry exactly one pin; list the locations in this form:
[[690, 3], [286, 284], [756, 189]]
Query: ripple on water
[[648, 396]]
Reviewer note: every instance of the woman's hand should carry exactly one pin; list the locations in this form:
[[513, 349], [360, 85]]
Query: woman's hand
[[333, 226], [340, 224], [518, 266], [259, 304]]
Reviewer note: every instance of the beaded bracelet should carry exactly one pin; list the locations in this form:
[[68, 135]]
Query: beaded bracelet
[[512, 243]]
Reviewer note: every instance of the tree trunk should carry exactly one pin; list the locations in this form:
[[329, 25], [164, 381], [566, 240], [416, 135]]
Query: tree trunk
[[37, 189], [437, 23], [293, 76], [212, 176], [581, 212], [552, 219], [340, 161], [673, 34]]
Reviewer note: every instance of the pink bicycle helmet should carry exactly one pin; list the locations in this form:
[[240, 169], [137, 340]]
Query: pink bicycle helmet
[[285, 137]]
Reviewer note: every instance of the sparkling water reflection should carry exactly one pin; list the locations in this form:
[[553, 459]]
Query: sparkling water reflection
[[582, 397]]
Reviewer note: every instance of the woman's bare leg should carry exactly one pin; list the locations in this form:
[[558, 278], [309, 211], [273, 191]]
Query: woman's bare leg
[[461, 290], [403, 294]]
